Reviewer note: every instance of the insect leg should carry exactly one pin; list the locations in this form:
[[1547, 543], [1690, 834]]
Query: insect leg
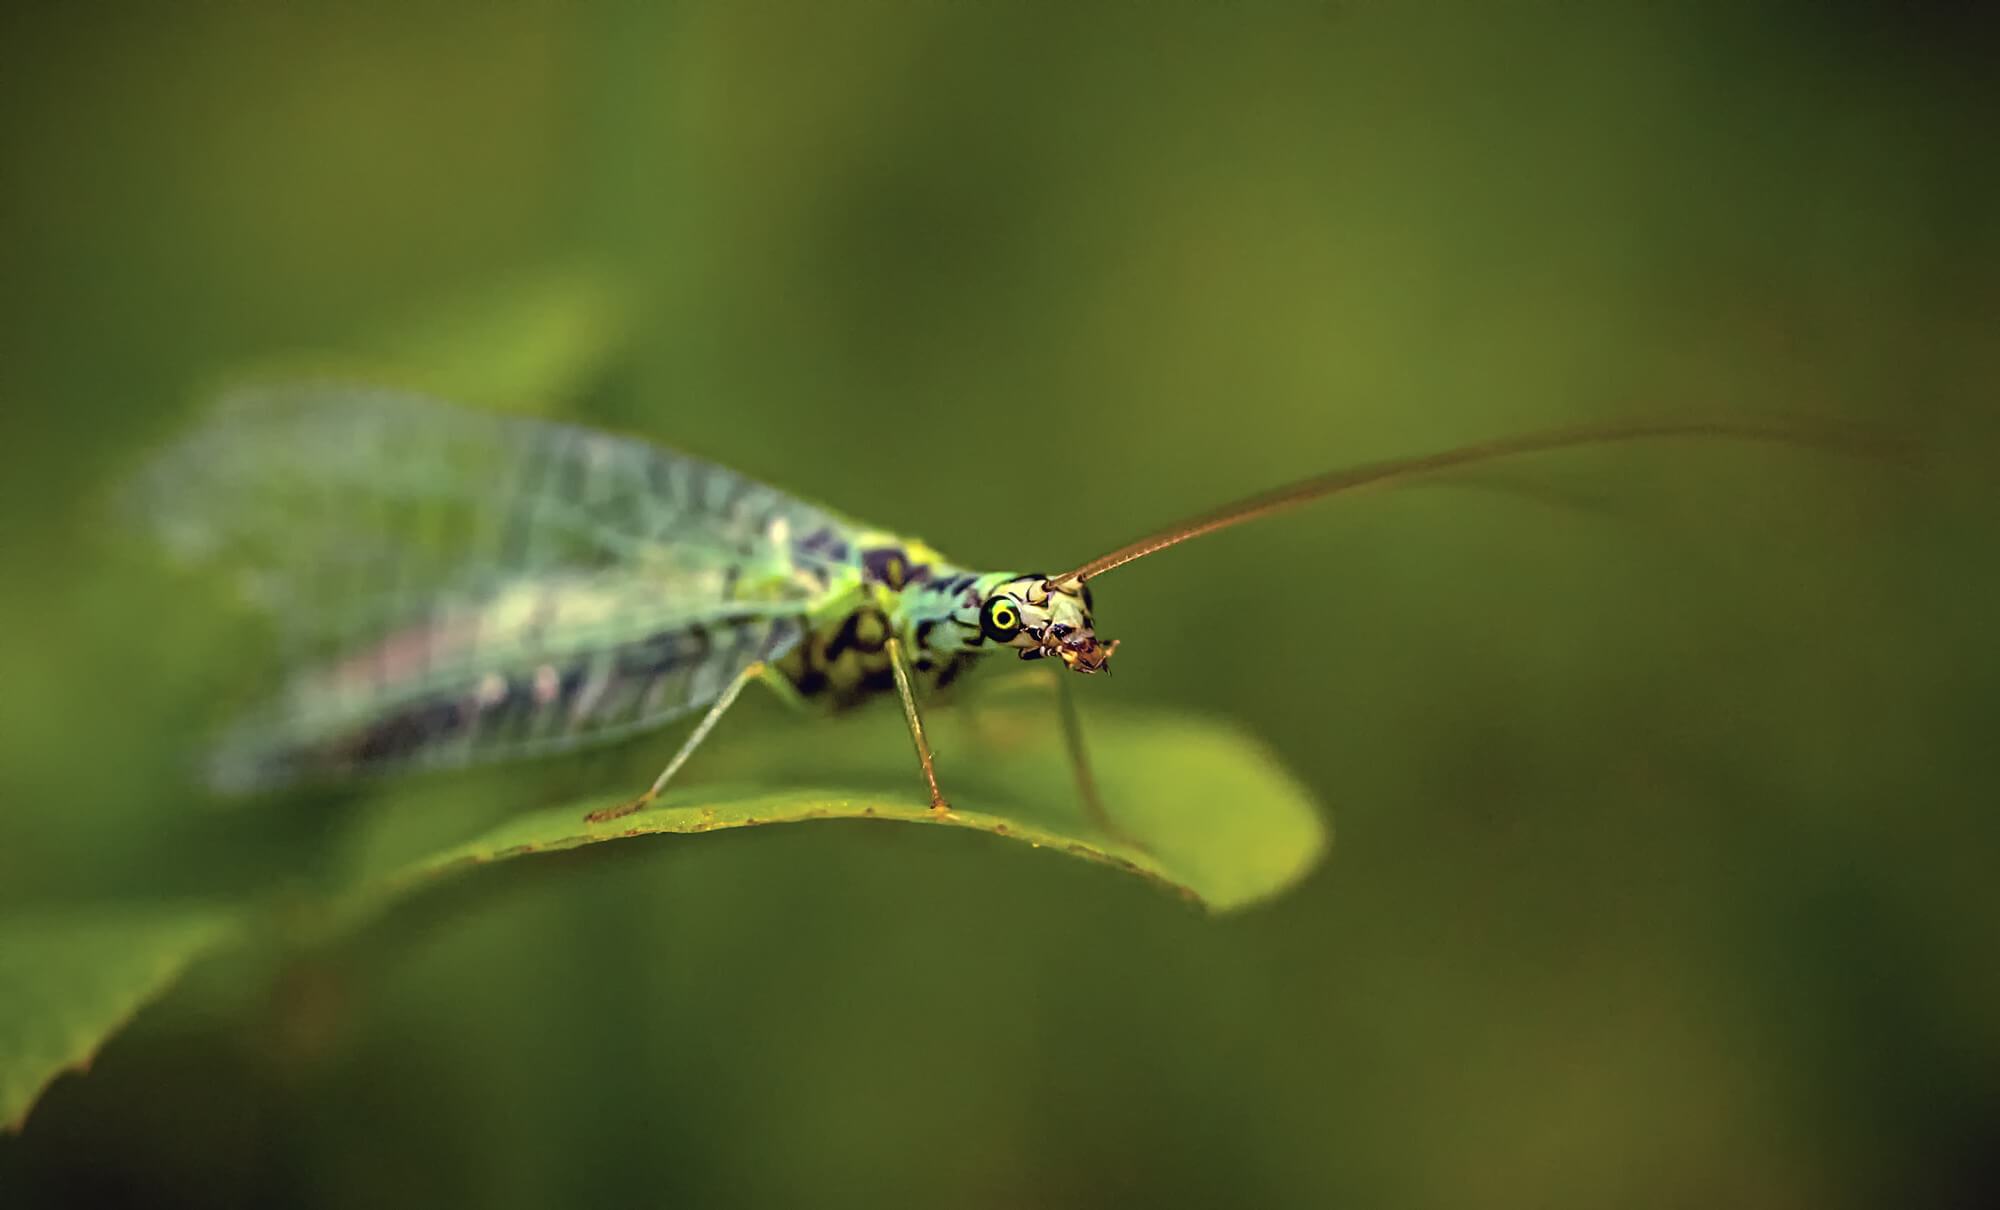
[[1079, 763], [895, 646], [693, 741]]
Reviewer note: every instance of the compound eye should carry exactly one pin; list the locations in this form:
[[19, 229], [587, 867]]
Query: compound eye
[[1000, 620]]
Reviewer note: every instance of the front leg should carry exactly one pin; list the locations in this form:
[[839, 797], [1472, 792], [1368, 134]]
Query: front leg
[[939, 807]]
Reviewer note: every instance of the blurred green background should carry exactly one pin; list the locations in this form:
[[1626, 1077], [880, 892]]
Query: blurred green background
[[1666, 859]]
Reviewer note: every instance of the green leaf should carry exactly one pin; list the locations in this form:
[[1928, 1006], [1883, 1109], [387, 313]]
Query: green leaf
[[68, 980], [1196, 805]]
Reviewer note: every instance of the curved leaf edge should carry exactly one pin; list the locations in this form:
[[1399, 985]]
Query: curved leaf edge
[[711, 807], [794, 805], [18, 1099]]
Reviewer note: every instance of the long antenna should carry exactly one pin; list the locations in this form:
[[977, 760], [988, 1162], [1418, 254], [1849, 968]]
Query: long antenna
[[1400, 470]]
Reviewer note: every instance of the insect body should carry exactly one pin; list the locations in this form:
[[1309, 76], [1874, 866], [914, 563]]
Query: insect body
[[453, 586]]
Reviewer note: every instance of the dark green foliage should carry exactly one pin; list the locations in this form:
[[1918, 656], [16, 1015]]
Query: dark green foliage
[[1663, 777]]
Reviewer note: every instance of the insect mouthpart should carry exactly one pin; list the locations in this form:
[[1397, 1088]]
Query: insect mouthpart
[[1081, 654]]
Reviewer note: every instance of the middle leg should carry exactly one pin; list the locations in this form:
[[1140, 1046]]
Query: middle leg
[[939, 806]]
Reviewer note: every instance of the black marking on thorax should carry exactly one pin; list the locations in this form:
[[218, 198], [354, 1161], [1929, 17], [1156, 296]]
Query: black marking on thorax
[[890, 567], [846, 662]]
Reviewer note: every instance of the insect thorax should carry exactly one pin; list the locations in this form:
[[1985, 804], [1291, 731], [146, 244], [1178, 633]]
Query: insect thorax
[[845, 661], [905, 591]]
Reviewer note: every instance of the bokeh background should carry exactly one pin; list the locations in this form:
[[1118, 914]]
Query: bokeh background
[[1664, 790]]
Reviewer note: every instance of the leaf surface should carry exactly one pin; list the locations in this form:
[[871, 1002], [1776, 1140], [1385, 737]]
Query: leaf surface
[[1195, 805], [68, 980]]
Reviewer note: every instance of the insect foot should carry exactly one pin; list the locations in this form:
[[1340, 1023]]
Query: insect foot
[[607, 814]]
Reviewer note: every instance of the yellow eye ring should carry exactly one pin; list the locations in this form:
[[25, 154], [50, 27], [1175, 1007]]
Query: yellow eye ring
[[1000, 620]]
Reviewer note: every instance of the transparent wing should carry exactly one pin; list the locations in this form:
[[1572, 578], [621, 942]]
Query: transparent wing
[[349, 511], [451, 585], [371, 714]]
